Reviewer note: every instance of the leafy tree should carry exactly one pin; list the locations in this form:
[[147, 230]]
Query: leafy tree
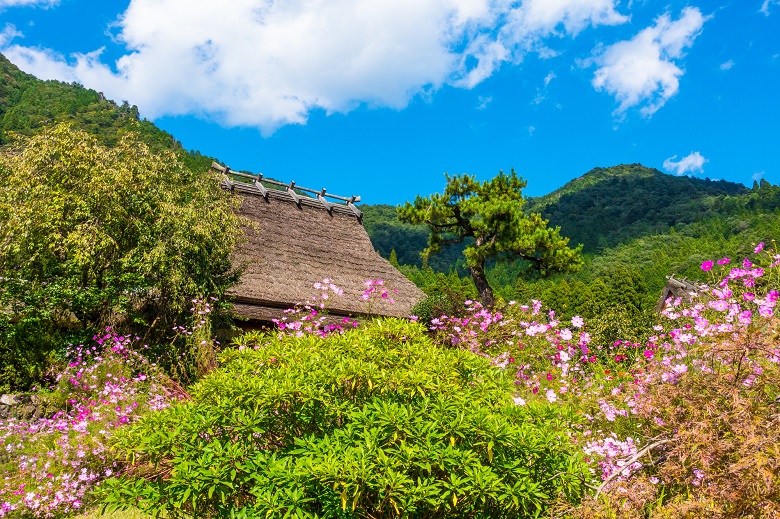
[[95, 236], [491, 214]]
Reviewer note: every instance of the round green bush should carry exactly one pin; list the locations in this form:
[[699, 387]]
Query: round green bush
[[377, 422]]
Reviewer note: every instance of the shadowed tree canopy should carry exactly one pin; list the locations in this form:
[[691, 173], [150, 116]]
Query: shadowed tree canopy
[[491, 213]]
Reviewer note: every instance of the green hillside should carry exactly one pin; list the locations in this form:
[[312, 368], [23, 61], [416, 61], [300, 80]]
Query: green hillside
[[408, 241], [608, 206], [27, 104], [601, 209]]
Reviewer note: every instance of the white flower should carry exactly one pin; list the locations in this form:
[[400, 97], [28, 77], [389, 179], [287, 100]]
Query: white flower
[[518, 400]]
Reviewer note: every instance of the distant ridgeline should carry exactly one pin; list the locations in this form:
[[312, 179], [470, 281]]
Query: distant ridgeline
[[609, 206], [28, 103], [603, 208]]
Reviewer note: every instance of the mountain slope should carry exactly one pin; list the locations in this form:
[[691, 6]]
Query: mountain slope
[[609, 206], [27, 104]]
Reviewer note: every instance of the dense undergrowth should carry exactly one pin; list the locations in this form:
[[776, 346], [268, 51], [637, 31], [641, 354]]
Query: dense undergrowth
[[509, 412]]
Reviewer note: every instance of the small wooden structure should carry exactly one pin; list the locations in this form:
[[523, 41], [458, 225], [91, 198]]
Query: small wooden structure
[[682, 288], [297, 236]]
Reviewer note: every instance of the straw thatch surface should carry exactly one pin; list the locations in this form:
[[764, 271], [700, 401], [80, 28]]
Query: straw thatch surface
[[674, 288], [290, 247]]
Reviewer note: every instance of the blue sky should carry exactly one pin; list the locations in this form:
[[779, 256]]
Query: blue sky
[[380, 98]]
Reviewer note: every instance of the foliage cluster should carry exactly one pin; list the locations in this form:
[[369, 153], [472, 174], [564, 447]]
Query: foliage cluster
[[620, 285], [684, 424], [95, 236], [375, 422], [407, 240], [510, 412], [49, 465], [491, 214]]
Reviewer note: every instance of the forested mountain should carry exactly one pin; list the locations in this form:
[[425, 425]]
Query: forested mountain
[[408, 241], [27, 104], [601, 209], [608, 206]]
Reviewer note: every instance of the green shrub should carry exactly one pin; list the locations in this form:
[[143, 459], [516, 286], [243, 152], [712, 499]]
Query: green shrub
[[377, 422]]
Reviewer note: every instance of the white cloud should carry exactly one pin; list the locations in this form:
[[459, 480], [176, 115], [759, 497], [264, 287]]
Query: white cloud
[[526, 27], [758, 175], [8, 34], [28, 3], [541, 93], [266, 64], [693, 163], [43, 64], [765, 6], [641, 70], [728, 65], [483, 102]]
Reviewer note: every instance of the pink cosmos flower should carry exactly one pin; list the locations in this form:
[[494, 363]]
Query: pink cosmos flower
[[724, 261], [759, 248], [719, 305], [706, 266]]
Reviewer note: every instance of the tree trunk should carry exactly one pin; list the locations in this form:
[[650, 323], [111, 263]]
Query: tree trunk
[[481, 282]]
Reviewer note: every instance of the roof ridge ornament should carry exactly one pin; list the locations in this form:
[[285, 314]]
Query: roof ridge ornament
[[289, 191]]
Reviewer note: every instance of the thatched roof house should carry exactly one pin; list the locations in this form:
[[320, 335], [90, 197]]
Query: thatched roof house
[[295, 240], [674, 288]]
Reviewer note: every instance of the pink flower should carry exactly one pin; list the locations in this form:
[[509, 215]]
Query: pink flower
[[577, 321], [759, 248], [707, 265], [724, 261], [719, 305]]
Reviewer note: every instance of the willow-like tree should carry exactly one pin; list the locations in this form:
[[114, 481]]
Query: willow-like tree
[[92, 236], [491, 213]]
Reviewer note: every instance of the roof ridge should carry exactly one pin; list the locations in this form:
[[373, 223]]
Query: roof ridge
[[342, 204]]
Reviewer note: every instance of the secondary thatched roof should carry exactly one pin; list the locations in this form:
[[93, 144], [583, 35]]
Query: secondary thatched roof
[[294, 241], [682, 288]]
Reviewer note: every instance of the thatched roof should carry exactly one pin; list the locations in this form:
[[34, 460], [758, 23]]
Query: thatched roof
[[682, 288], [294, 240]]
